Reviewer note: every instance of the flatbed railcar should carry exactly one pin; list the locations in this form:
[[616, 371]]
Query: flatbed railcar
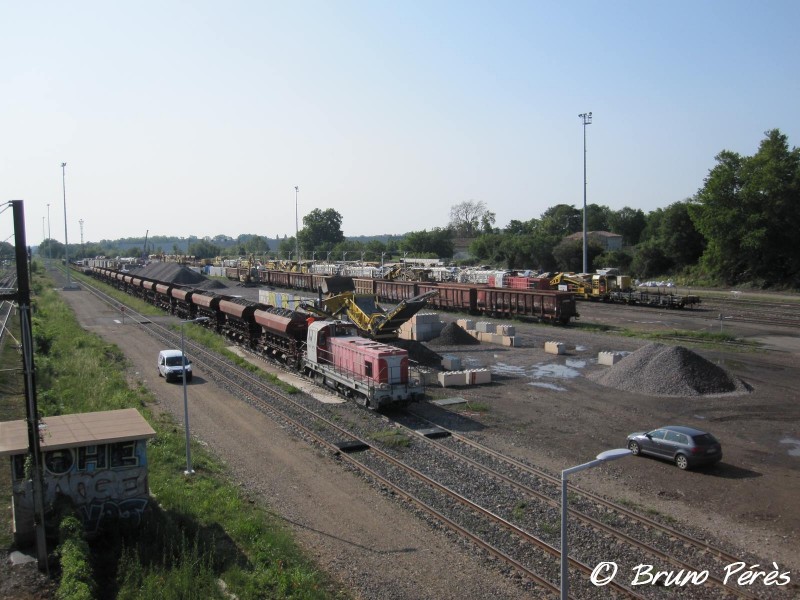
[[658, 299]]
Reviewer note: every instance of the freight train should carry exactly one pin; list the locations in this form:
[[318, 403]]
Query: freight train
[[602, 286], [374, 374], [482, 300]]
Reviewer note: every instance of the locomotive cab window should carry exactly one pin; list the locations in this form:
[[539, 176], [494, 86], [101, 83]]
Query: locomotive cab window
[[368, 368]]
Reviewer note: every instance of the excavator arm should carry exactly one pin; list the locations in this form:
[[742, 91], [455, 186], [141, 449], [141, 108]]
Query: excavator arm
[[366, 314]]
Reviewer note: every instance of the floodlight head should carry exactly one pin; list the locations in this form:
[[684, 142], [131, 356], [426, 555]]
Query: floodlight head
[[63, 165], [614, 454]]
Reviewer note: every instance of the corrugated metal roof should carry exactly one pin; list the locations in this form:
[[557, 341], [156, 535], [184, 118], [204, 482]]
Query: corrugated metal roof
[[80, 429]]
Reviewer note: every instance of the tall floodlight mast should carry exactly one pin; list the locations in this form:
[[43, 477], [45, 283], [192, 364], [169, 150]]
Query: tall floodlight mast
[[587, 120]]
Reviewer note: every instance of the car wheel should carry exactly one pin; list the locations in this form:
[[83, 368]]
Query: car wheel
[[188, 378], [634, 448], [682, 462]]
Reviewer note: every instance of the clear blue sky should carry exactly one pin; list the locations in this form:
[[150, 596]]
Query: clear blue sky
[[199, 118]]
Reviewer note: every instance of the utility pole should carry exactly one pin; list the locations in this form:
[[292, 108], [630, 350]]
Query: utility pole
[[587, 120], [82, 254], [23, 298]]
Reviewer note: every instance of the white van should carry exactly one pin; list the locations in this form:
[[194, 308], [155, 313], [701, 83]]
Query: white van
[[169, 365]]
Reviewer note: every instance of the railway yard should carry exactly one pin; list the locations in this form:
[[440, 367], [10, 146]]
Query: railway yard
[[470, 510]]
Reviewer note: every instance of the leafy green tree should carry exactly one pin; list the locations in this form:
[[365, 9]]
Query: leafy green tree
[[749, 212], [569, 255], [487, 247], [597, 217], [287, 246], [51, 249], [629, 223], [619, 259], [561, 220], [437, 242], [322, 230], [204, 249], [678, 237], [650, 260]]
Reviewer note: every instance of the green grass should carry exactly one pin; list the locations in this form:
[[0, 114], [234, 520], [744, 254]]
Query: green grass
[[392, 438], [197, 530], [479, 407]]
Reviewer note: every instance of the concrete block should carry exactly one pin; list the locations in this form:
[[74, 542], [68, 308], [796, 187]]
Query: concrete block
[[506, 330], [429, 377], [485, 327], [608, 358], [451, 363], [427, 318], [555, 348], [467, 324], [477, 376], [451, 378]]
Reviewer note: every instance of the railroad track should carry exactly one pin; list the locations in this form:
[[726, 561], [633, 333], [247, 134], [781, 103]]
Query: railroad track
[[465, 490], [630, 527], [765, 312]]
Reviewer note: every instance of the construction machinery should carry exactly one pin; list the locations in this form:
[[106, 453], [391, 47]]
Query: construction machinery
[[570, 282], [363, 310]]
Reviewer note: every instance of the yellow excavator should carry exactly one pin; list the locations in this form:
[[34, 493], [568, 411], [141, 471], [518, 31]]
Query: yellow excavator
[[371, 319], [570, 282]]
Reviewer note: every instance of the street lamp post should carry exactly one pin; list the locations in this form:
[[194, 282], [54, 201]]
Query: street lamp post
[[603, 457], [189, 470], [66, 241], [296, 229], [587, 120], [49, 238]]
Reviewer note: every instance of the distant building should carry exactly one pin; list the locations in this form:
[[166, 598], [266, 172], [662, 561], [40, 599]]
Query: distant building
[[608, 240], [95, 463]]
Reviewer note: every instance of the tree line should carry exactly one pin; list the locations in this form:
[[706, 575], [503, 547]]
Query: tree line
[[738, 228]]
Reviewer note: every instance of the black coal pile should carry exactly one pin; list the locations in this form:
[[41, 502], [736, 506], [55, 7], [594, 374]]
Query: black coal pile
[[454, 335], [419, 353], [668, 371], [178, 274]]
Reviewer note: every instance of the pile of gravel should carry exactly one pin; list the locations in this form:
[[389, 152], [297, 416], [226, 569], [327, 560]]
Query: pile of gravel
[[454, 335], [668, 371]]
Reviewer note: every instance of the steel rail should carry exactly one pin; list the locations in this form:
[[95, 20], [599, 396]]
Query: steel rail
[[702, 546], [588, 520]]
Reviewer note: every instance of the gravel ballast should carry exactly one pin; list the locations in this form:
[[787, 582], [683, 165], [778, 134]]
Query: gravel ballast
[[669, 371]]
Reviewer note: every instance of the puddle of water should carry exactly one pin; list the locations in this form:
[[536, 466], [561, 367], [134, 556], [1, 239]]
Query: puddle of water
[[792, 451], [549, 386], [504, 369], [701, 417], [575, 363], [471, 363], [554, 371], [580, 348]]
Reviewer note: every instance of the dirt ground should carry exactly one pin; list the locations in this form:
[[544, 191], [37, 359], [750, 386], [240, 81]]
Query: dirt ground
[[542, 408]]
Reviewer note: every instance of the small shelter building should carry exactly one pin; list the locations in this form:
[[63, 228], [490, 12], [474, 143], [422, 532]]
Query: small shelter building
[[96, 462]]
